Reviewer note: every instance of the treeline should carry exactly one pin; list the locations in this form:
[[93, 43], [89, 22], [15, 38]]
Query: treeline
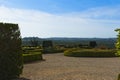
[[101, 42]]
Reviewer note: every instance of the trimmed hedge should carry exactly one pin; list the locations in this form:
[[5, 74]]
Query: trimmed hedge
[[33, 56], [90, 53], [11, 60]]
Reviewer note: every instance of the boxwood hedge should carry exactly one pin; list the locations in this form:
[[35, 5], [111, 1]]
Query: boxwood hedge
[[90, 53], [33, 56]]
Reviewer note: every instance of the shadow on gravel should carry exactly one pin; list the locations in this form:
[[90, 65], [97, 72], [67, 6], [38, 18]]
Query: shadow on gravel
[[22, 79], [35, 61], [92, 57]]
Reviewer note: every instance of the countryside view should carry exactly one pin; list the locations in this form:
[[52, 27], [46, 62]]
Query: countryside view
[[59, 40]]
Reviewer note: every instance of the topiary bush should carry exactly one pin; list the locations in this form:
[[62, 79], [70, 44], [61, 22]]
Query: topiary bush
[[28, 50], [90, 53], [11, 61]]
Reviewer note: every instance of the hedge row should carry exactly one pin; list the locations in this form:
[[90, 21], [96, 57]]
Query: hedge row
[[90, 53], [33, 56]]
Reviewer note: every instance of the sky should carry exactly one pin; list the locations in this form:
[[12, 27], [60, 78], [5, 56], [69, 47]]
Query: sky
[[63, 18]]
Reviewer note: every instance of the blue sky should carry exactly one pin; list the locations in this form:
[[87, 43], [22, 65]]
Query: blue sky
[[63, 18]]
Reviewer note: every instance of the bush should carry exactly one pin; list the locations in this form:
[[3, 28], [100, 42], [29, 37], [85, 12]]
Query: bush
[[90, 53], [11, 61], [33, 56]]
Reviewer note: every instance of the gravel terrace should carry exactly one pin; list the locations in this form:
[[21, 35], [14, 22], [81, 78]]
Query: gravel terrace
[[59, 67]]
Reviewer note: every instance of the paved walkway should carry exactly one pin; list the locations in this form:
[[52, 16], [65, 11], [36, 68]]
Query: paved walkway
[[59, 67]]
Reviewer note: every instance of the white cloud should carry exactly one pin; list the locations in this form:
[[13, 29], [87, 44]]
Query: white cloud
[[111, 12], [42, 24]]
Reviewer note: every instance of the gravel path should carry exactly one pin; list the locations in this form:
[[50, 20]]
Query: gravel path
[[59, 67]]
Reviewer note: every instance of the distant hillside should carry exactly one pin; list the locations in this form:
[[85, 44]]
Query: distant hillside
[[108, 42]]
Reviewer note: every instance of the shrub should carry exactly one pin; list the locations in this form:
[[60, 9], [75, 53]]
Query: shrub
[[90, 53], [11, 63], [33, 56]]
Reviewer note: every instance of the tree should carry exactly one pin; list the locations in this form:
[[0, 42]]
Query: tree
[[92, 44], [11, 61], [118, 41]]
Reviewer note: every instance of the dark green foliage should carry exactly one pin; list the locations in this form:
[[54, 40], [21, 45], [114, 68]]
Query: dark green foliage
[[27, 51], [90, 53], [11, 61], [118, 42], [118, 46], [118, 77], [32, 56], [47, 44], [92, 44], [34, 42], [85, 46]]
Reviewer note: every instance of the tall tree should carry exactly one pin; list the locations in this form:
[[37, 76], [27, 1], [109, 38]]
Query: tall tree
[[11, 61]]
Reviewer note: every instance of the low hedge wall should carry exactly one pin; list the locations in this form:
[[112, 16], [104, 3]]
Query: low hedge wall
[[33, 56], [90, 53]]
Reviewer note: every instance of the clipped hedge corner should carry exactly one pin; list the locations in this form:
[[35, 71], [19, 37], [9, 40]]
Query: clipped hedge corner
[[34, 56]]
